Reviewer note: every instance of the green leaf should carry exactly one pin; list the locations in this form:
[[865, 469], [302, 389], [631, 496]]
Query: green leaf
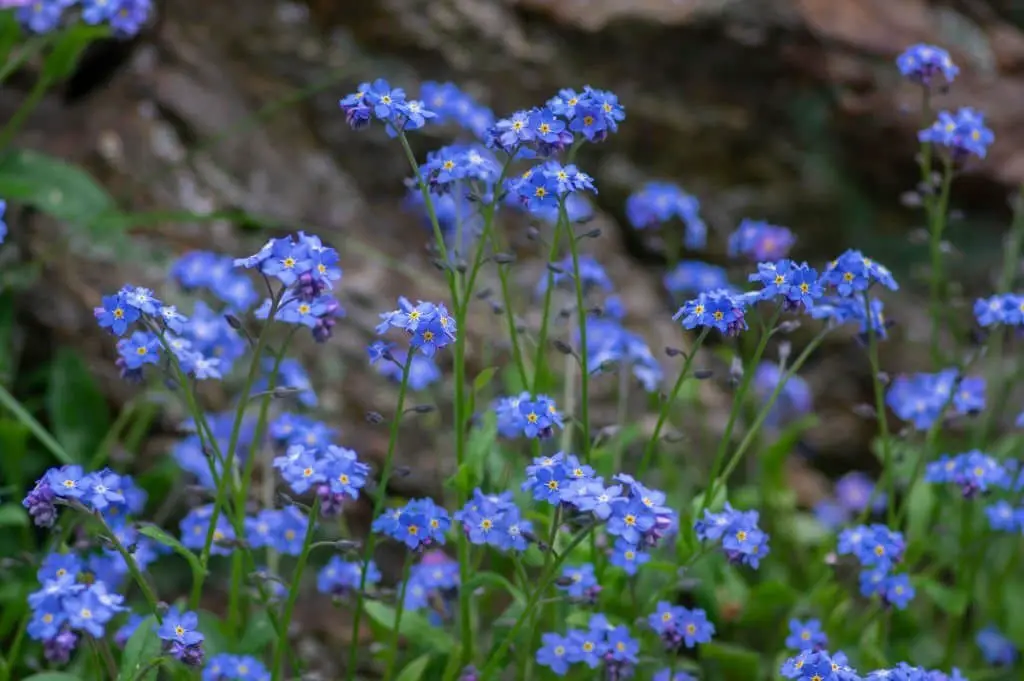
[[77, 409], [951, 601], [414, 626], [415, 669], [919, 509], [484, 378], [8, 401], [61, 62], [259, 632], [767, 603], [774, 455], [53, 676], [142, 648], [52, 186], [13, 515], [494, 579], [157, 534], [733, 661]]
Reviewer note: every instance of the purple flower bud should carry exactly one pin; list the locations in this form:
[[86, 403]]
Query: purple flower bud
[[470, 673], [39, 503], [58, 649], [190, 655], [331, 504]]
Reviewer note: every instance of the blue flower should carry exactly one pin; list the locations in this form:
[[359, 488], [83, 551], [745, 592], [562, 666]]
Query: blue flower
[[419, 524], [384, 99], [115, 314], [103, 489], [180, 627], [3, 225], [195, 525], [1005, 308], [588, 647], [839, 311], [718, 309], [898, 591], [553, 653], [87, 611], [961, 134], [742, 540], [1004, 518], [227, 667], [628, 557], [579, 581], [793, 400], [855, 489], [805, 635], [853, 273], [677, 625], [57, 565], [139, 349], [660, 202], [974, 472], [591, 274], [68, 481], [631, 521], [923, 63]]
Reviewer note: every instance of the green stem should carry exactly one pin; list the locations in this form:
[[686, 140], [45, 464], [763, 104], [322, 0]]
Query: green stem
[[889, 474], [581, 319], [546, 580], [378, 505], [399, 611], [666, 405], [293, 594], [129, 559]]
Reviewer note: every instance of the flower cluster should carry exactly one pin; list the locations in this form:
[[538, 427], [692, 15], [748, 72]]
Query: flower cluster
[[125, 17], [494, 520], [105, 492], [590, 115], [996, 648], [973, 472], [743, 542], [307, 271], [855, 309], [923, 398], [429, 327], [795, 284], [580, 583], [341, 577], [528, 416], [546, 186], [719, 309], [181, 636], [760, 241], [419, 524], [853, 273], [924, 63], [879, 550], [694, 276], [386, 104], [227, 667], [65, 608], [1005, 308], [678, 626], [961, 134], [460, 163], [601, 644], [336, 473], [659, 202]]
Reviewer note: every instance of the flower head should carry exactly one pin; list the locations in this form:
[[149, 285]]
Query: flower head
[[923, 64]]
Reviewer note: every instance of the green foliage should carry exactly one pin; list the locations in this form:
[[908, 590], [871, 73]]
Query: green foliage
[[77, 411], [414, 626], [141, 648]]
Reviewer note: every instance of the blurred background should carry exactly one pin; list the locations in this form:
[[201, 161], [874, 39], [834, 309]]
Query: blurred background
[[219, 125]]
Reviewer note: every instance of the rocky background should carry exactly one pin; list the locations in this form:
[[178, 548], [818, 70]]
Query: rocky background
[[787, 110]]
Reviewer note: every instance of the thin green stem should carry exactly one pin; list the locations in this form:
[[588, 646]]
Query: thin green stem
[[399, 611], [581, 320], [666, 405], [35, 96], [546, 580], [889, 474], [10, 402], [378, 506], [129, 560], [293, 594]]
